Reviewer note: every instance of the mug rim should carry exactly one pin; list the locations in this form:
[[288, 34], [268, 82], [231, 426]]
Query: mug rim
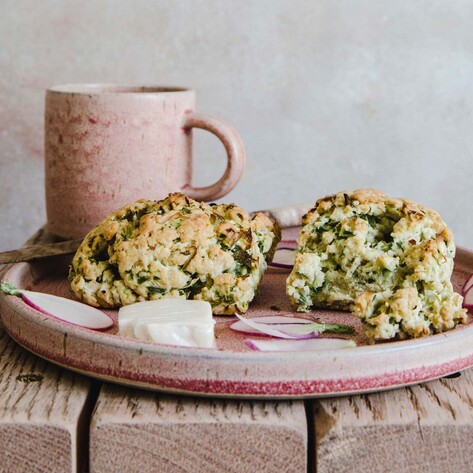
[[117, 89]]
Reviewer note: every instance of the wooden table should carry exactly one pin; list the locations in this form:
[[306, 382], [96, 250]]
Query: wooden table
[[53, 420]]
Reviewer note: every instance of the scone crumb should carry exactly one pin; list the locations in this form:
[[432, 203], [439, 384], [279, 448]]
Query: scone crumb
[[389, 260], [176, 247]]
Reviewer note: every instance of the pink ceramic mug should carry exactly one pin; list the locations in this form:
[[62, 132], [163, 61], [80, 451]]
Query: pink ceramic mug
[[109, 145]]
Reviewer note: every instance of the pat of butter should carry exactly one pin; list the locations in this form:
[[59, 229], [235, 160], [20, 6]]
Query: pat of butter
[[169, 321]]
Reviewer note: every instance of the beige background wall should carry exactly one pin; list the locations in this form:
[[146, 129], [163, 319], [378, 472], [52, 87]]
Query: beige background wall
[[327, 94]]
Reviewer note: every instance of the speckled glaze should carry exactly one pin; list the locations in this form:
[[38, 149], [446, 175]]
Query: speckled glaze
[[109, 145], [233, 370]]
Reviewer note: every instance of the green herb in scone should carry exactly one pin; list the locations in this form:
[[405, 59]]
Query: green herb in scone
[[176, 247], [390, 260]]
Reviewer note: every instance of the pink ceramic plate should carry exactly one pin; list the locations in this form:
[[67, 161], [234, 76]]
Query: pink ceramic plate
[[233, 370]]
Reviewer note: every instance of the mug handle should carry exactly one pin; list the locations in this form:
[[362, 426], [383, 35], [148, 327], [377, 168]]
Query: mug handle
[[236, 156]]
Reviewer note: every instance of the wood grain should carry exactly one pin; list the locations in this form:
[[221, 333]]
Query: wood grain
[[43, 414], [39, 238], [423, 428], [137, 431], [44, 410], [38, 251]]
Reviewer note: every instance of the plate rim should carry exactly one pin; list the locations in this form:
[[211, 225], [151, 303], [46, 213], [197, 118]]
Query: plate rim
[[24, 315]]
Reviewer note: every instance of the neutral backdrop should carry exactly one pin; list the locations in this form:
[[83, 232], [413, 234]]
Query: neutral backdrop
[[328, 95]]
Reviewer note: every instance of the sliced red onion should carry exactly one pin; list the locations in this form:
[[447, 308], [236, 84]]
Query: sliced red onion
[[291, 325], [313, 344], [269, 329], [68, 310], [468, 285], [61, 308], [296, 326], [283, 258], [468, 299]]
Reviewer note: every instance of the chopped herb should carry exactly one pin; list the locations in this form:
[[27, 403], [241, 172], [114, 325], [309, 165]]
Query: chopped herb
[[113, 268], [243, 261], [343, 234], [324, 228], [100, 254], [315, 290], [373, 220], [156, 290], [228, 298], [174, 223], [334, 328], [303, 301], [127, 233], [195, 288], [130, 216]]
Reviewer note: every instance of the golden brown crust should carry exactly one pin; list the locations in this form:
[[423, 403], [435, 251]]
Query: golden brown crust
[[176, 247]]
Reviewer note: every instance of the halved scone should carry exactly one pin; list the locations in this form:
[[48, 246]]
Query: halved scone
[[390, 260], [176, 247]]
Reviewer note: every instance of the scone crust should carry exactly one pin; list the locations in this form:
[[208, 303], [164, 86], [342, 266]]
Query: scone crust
[[364, 242], [176, 247]]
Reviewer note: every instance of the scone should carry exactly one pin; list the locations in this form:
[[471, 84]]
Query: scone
[[390, 260], [176, 247]]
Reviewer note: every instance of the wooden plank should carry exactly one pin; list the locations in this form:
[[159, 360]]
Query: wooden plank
[[138, 431], [44, 410], [424, 428], [44, 414]]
